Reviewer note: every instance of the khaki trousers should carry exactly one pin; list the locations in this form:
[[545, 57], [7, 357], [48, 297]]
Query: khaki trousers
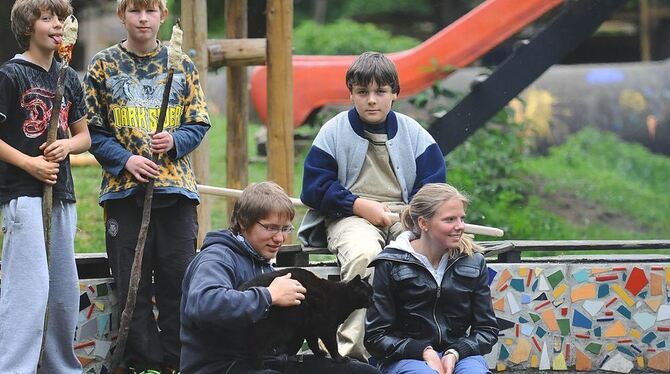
[[356, 242]]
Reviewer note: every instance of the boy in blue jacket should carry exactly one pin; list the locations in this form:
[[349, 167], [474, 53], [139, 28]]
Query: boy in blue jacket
[[364, 164]]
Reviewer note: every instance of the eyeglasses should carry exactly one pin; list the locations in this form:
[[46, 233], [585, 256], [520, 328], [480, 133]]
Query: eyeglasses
[[274, 229]]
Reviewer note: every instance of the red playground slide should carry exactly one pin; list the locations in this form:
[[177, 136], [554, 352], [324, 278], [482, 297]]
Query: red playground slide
[[319, 80]]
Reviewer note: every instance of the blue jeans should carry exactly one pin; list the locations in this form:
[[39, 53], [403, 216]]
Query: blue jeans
[[468, 365]]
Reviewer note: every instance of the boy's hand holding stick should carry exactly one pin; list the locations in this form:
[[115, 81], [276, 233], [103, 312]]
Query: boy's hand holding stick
[[70, 28], [65, 51], [175, 57]]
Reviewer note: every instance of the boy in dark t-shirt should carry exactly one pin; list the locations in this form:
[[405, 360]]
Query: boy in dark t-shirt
[[27, 87]]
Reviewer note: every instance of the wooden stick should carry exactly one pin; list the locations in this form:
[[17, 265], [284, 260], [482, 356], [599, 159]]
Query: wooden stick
[[231, 192], [69, 37], [136, 270]]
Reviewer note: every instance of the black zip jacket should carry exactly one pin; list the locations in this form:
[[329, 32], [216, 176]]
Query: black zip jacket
[[410, 311]]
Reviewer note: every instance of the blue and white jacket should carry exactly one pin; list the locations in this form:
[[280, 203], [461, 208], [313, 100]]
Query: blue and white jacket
[[336, 157]]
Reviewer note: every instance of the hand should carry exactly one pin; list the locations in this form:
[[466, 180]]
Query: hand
[[448, 363], [161, 142], [142, 168], [432, 359], [374, 212], [42, 169], [56, 151], [286, 291]]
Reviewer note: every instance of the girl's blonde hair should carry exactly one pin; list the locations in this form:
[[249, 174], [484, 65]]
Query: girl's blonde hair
[[26, 12], [425, 203], [258, 201]]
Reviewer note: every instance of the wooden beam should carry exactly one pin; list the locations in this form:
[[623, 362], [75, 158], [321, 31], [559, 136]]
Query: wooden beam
[[645, 31], [237, 104], [279, 15], [194, 24], [236, 52]]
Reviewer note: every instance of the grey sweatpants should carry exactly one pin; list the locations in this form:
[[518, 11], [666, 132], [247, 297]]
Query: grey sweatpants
[[27, 284]]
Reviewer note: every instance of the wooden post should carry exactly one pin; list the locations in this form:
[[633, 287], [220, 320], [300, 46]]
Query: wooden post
[[645, 31], [279, 15], [237, 104], [194, 22]]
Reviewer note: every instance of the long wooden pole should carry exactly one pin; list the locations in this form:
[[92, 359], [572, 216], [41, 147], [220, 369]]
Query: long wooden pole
[[70, 28], [194, 24], [237, 104], [279, 15]]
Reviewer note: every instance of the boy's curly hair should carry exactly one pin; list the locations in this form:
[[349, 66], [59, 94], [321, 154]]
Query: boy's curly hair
[[26, 12], [373, 66]]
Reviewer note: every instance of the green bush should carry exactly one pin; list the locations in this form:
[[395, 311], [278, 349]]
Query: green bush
[[346, 37]]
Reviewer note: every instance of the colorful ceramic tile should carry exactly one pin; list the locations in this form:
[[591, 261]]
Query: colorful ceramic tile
[[625, 350], [558, 291], [603, 290], [559, 362], [514, 306], [581, 276], [624, 311], [623, 295], [517, 284], [504, 324], [523, 271], [534, 361], [534, 286], [545, 364], [504, 277], [618, 363], [550, 320], [649, 337], [501, 366], [580, 320], [527, 329], [499, 304], [564, 326], [660, 344], [540, 332], [635, 333], [599, 270], [636, 281], [534, 317], [615, 330], [504, 353], [525, 299], [492, 274], [585, 292], [521, 351], [663, 313], [644, 320], [540, 297], [640, 362], [582, 361], [543, 284], [660, 361], [667, 274], [593, 306], [538, 270], [598, 331], [594, 348], [654, 303], [555, 278]]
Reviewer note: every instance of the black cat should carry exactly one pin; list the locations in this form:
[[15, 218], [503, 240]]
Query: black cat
[[327, 304]]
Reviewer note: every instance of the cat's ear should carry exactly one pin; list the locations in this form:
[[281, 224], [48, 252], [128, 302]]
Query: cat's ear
[[356, 278], [366, 279]]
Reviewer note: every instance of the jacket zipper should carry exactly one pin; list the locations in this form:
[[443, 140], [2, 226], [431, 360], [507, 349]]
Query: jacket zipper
[[437, 298]]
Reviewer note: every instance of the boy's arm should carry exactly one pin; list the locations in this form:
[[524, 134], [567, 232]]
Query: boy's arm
[[181, 142], [78, 143], [39, 167], [430, 168], [321, 189], [111, 155]]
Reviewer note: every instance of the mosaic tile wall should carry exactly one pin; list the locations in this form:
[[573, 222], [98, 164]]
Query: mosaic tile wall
[[98, 317], [581, 317], [552, 317]]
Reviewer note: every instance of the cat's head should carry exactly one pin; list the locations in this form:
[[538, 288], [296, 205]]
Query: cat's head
[[360, 291]]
